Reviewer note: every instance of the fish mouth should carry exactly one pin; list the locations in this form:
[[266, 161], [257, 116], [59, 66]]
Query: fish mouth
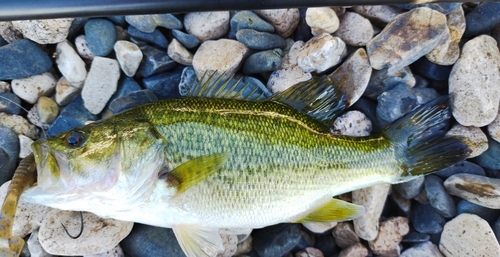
[[46, 165]]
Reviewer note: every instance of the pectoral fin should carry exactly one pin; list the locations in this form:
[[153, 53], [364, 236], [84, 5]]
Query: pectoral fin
[[194, 171], [198, 241], [334, 210]]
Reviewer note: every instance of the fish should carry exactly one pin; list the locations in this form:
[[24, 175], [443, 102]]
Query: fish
[[225, 158]]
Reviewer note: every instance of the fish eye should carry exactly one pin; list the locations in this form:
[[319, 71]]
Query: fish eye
[[75, 139]]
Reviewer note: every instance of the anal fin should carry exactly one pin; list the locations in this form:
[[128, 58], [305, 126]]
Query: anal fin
[[197, 241], [334, 210]]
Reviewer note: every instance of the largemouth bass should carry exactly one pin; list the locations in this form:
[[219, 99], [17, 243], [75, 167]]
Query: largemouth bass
[[202, 163]]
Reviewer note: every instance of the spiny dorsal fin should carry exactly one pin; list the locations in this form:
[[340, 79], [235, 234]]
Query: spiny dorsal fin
[[319, 97], [334, 210], [218, 85]]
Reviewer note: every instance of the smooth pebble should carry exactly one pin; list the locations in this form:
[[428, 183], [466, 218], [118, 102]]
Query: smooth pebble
[[155, 37], [373, 199], [426, 220], [344, 235], [179, 54], [322, 20], [69, 63], [276, 240], [281, 79], [357, 250], [19, 125], [438, 197], [82, 47], [101, 83], [47, 109], [154, 61], [259, 40], [101, 36], [9, 152], [24, 146], [187, 40], [66, 92], [472, 136], [354, 29], [264, 61], [480, 190], [129, 56], [23, 58], [321, 53], [10, 103], [352, 123], [224, 55], [427, 249], [207, 25], [248, 20]]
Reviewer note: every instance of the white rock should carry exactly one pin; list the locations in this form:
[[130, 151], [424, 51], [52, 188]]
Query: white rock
[[373, 199], [390, 234], [28, 217], [25, 146], [322, 20], [129, 56], [69, 63], [468, 235], [30, 88], [49, 31], [354, 29], [472, 136], [82, 46], [321, 53], [18, 124], [179, 53], [320, 227], [285, 21], [207, 25], [290, 58], [115, 252], [474, 81], [344, 235], [494, 129], [99, 235], [4, 87], [65, 91], [477, 189], [352, 123], [34, 246], [100, 84], [223, 55], [357, 250], [426, 249], [282, 79]]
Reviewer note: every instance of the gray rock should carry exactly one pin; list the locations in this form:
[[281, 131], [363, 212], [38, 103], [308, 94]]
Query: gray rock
[[410, 189], [101, 83], [426, 249], [282, 79], [249, 20], [264, 61], [438, 197], [385, 80], [380, 15]]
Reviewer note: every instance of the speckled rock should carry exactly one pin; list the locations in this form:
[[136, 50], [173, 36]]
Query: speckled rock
[[473, 82], [285, 21], [448, 52], [129, 56], [115, 252], [207, 25], [494, 129], [282, 79], [322, 20], [344, 235], [230, 242], [354, 29], [36, 249], [373, 199], [8, 33], [30, 88], [65, 91], [357, 250], [427, 249], [71, 66], [468, 235], [24, 146], [480, 190], [406, 38], [390, 234], [321, 53], [47, 109], [148, 23], [101, 83], [320, 227], [378, 14], [18, 124], [472, 136], [223, 55], [179, 54], [48, 31], [352, 123], [82, 46]]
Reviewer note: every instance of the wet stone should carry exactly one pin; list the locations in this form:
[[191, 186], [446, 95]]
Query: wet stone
[[425, 219], [426, 249], [373, 199], [9, 152], [248, 20], [165, 84], [490, 215], [396, 102], [354, 29], [207, 25], [73, 115], [438, 197], [23, 58], [472, 136], [155, 37], [154, 61], [385, 80], [46, 31], [321, 53], [480, 190], [10, 103], [482, 19], [264, 61], [276, 240], [259, 40], [284, 20], [101, 36], [187, 40], [463, 167], [148, 23], [322, 20]]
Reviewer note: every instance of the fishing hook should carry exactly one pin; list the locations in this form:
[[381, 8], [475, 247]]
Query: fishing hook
[[81, 228]]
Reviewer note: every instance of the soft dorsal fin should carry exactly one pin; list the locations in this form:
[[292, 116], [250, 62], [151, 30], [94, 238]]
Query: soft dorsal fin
[[319, 97], [334, 210], [218, 85]]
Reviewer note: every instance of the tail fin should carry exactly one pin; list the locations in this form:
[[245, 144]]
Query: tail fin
[[420, 142]]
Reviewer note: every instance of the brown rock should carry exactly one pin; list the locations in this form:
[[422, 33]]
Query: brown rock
[[390, 234]]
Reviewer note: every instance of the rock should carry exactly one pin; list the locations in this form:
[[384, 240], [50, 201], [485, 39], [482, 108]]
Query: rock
[[473, 82], [82, 46], [438, 197], [19, 125], [148, 23], [425, 219], [448, 52], [415, 237], [390, 234], [476, 189], [468, 235], [493, 128], [322, 20], [282, 79], [482, 19], [129, 56], [410, 189], [489, 158], [155, 37], [154, 61], [354, 29], [100, 84], [284, 20], [248, 20], [264, 61], [406, 38], [472, 137], [48, 31], [101, 36], [426, 249], [164, 85], [309, 252], [223, 55], [373, 199], [73, 115], [352, 85], [146, 240], [490, 215], [403, 204], [30, 88], [357, 250], [259, 40], [70, 64], [385, 80], [290, 58], [9, 33], [65, 92], [180, 54], [188, 79], [395, 103], [276, 240], [21, 59], [98, 236], [24, 146], [320, 227], [35, 247], [303, 31], [187, 40], [207, 25], [229, 242], [321, 53], [115, 252], [352, 123], [47, 109], [9, 151], [10, 103], [344, 235], [4, 87], [378, 14], [431, 70], [462, 167]]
